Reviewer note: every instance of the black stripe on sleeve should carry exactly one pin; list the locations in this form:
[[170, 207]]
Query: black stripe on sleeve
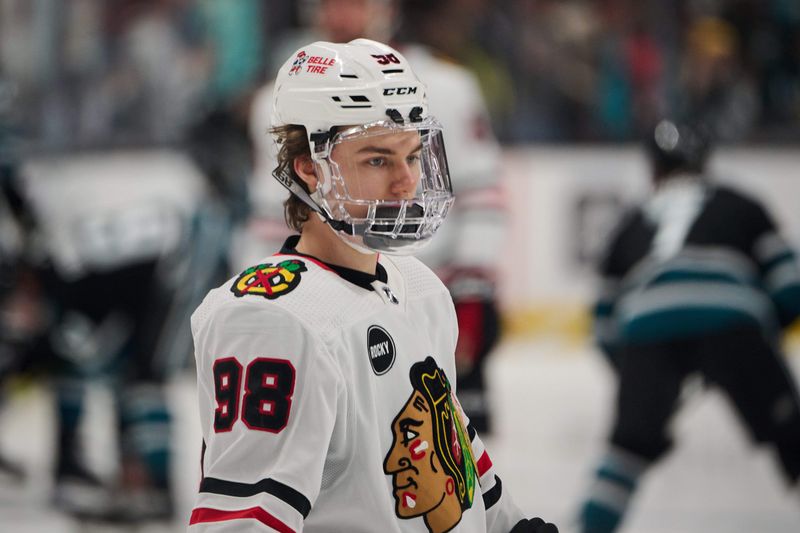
[[270, 486], [492, 496]]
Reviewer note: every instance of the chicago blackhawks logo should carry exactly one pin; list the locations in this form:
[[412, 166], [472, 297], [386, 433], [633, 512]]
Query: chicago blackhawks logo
[[268, 280], [431, 462]]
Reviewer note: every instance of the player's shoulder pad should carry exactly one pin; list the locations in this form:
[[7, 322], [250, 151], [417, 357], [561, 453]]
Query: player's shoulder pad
[[630, 216], [260, 288], [298, 288], [736, 198], [746, 207]]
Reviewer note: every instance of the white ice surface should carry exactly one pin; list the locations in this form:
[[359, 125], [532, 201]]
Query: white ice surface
[[551, 406]]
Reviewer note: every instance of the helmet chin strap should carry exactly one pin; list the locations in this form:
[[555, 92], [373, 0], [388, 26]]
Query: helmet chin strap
[[285, 179], [343, 237]]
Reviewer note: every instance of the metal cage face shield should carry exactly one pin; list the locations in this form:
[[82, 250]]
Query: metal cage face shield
[[384, 186]]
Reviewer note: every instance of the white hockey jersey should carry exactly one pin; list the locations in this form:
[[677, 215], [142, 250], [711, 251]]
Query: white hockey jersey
[[325, 405]]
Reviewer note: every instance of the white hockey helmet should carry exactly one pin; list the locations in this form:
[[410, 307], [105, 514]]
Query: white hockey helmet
[[365, 92]]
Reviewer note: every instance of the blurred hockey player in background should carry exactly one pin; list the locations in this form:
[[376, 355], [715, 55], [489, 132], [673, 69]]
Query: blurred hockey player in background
[[465, 252], [19, 312], [696, 281], [109, 195], [112, 228]]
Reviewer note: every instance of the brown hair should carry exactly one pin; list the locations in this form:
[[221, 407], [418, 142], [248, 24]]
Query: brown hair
[[293, 142]]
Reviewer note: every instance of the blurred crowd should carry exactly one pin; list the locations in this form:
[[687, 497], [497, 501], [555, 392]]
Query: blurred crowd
[[551, 70], [605, 70]]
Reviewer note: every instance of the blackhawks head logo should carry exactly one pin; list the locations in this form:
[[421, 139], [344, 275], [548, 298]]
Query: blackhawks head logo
[[431, 463], [268, 280]]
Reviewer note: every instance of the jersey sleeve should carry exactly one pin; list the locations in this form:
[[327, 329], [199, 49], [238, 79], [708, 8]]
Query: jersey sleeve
[[777, 262], [269, 396], [501, 511], [612, 267]]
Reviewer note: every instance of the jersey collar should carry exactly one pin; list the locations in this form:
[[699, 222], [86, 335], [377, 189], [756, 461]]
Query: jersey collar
[[356, 277]]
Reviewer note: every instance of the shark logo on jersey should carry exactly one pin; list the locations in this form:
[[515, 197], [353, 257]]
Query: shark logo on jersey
[[431, 461], [381, 350], [269, 280]]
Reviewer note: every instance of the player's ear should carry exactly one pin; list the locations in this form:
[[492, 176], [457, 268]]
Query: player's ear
[[304, 167]]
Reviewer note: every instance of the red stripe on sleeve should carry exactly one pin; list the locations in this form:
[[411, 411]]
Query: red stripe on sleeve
[[206, 514], [484, 464]]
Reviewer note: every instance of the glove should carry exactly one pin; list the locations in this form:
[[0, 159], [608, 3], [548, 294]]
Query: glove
[[534, 525]]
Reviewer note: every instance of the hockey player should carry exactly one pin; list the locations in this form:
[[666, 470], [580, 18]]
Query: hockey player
[[324, 371], [697, 281], [464, 254], [112, 227], [18, 313]]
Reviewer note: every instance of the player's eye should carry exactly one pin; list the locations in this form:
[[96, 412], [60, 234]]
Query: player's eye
[[413, 159], [376, 162]]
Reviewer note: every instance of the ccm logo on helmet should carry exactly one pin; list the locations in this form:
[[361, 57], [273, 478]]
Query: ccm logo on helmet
[[398, 91]]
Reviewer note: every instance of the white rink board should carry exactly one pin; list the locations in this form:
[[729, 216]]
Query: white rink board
[[548, 227]]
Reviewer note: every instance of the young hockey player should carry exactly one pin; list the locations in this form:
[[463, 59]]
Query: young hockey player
[[324, 371], [464, 254]]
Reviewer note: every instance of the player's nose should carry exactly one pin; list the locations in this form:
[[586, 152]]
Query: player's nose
[[404, 181]]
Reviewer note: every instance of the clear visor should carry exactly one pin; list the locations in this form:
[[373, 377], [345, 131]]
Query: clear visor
[[388, 183]]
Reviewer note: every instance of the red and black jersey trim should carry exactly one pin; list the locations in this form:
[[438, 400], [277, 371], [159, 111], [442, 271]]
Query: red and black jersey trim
[[483, 464], [283, 492], [203, 515], [492, 496]]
